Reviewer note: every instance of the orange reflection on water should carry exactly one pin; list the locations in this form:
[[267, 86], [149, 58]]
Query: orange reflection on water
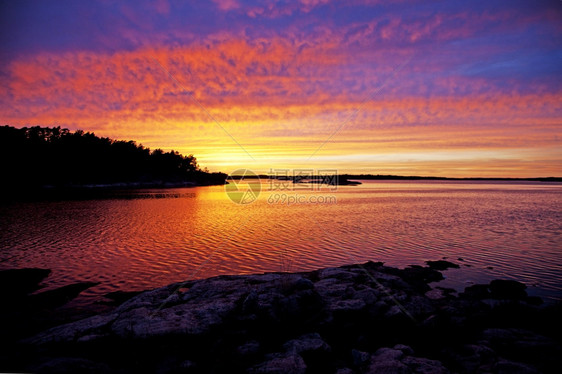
[[135, 244]]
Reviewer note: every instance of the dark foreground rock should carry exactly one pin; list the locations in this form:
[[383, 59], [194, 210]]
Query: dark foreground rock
[[16, 283], [25, 310], [441, 265], [365, 318]]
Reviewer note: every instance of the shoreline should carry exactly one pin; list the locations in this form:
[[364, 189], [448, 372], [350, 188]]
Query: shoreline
[[360, 318], [99, 191]]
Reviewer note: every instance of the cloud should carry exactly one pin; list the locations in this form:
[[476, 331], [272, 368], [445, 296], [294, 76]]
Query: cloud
[[226, 5], [162, 7], [282, 77], [271, 91]]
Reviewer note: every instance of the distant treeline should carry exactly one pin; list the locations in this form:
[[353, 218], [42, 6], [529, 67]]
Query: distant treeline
[[413, 177], [33, 157], [346, 178]]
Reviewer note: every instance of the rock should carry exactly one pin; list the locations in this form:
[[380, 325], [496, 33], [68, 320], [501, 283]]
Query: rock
[[509, 367], [249, 348], [20, 282], [347, 306], [265, 304], [388, 354], [502, 336], [435, 294], [441, 265], [151, 314], [250, 302], [60, 296], [360, 358], [24, 314], [387, 367], [307, 343], [507, 289], [187, 365], [218, 287], [419, 306], [404, 349], [303, 284], [286, 363], [394, 311], [446, 291], [476, 292], [193, 318], [72, 365], [424, 365], [388, 360], [534, 300], [313, 320], [89, 338], [472, 357], [336, 273], [119, 297], [528, 347], [418, 277], [368, 295], [373, 265], [344, 371], [301, 304], [521, 342], [87, 329], [150, 299], [331, 287], [263, 278]]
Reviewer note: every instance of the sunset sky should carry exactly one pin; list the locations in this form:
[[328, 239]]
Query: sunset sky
[[446, 88]]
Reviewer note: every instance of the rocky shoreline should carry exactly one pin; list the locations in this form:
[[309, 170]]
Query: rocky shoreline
[[365, 318]]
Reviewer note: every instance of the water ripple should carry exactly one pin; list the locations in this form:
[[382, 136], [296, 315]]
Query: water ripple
[[500, 230]]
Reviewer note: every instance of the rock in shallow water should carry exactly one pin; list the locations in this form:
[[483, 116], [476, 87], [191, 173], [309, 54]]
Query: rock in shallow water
[[507, 289], [441, 265]]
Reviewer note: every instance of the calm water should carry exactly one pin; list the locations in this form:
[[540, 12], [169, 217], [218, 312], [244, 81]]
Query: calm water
[[500, 230]]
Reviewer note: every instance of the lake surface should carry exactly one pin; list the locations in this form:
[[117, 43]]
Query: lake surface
[[150, 238]]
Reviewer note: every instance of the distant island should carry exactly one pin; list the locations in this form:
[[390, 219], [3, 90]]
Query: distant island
[[51, 158], [413, 177], [350, 179]]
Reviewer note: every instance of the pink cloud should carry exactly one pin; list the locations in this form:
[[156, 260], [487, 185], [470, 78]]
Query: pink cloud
[[162, 6], [226, 5]]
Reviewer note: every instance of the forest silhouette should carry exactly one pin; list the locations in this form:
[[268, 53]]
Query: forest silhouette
[[39, 157]]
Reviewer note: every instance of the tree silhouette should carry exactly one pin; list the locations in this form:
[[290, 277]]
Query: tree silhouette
[[37, 156]]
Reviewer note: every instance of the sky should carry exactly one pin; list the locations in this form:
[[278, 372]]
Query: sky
[[442, 88]]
